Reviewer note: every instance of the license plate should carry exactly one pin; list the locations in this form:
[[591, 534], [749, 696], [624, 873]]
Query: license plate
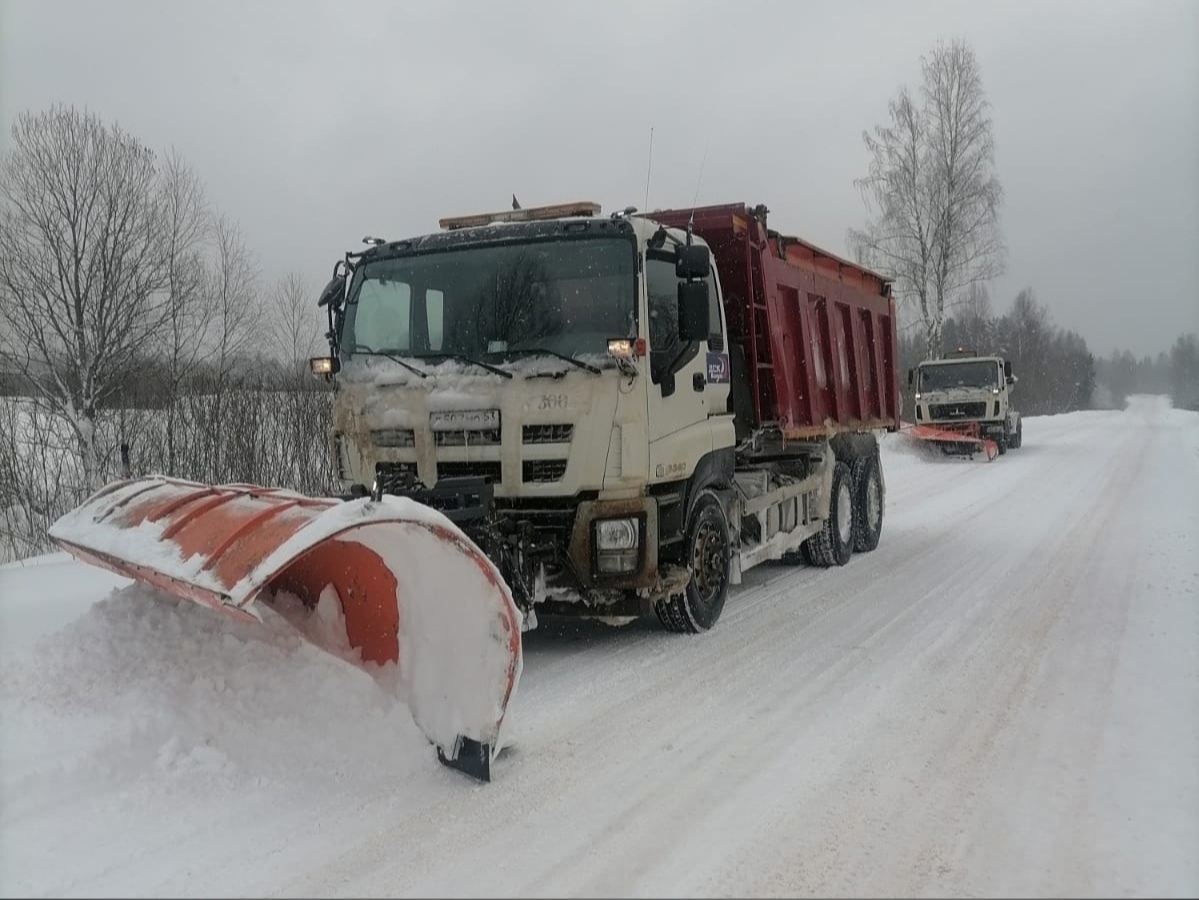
[[465, 420]]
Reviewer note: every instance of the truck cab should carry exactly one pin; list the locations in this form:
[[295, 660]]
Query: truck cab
[[968, 391]]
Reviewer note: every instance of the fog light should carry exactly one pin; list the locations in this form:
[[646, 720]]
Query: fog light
[[616, 562], [616, 534]]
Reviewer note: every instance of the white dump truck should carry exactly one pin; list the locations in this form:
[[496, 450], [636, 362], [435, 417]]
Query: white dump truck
[[624, 411]]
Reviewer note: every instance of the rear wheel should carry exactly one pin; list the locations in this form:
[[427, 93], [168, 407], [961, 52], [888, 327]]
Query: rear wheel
[[708, 553], [1019, 437], [867, 503], [833, 546]]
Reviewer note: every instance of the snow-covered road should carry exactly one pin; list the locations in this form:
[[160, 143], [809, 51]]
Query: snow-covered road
[[1002, 699]]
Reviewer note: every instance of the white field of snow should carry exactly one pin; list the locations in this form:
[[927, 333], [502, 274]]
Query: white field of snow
[[1002, 699]]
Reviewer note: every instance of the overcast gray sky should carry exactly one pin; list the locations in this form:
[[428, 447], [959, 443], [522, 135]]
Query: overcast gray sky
[[315, 124]]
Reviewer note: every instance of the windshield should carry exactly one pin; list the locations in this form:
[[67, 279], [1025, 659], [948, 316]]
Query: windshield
[[974, 374], [566, 296]]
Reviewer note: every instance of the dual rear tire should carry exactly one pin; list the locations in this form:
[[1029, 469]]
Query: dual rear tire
[[855, 521]]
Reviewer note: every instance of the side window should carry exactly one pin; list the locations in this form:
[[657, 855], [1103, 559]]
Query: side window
[[661, 288], [715, 332]]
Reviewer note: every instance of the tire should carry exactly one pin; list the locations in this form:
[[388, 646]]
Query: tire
[[1019, 437], [1001, 443], [833, 546], [868, 502], [708, 551]]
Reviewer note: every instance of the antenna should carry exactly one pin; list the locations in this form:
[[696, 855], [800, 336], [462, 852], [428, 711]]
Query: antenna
[[695, 199], [651, 166]]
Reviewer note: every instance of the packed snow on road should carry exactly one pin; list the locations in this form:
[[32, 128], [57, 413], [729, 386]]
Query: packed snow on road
[[1002, 699]]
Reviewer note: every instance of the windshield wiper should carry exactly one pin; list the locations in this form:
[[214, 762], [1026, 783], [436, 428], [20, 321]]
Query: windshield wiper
[[462, 357], [362, 348], [537, 351]]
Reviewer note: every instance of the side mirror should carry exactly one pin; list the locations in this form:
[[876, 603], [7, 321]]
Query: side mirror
[[1007, 369], [911, 376], [694, 261], [1011, 379], [333, 291], [694, 324]]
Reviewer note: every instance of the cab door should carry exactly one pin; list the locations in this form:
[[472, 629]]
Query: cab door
[[689, 381]]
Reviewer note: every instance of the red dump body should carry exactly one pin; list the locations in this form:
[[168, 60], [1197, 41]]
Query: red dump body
[[816, 334]]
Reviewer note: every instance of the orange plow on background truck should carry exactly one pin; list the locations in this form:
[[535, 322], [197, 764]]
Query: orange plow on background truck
[[408, 594]]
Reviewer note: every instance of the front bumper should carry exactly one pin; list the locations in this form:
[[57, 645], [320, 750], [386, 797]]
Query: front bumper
[[547, 553]]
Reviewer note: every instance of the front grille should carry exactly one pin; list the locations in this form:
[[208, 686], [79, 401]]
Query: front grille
[[489, 470], [547, 434], [466, 438], [393, 437], [958, 410], [543, 470]]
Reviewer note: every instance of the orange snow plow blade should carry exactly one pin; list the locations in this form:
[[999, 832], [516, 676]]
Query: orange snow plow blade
[[955, 440], [403, 586]]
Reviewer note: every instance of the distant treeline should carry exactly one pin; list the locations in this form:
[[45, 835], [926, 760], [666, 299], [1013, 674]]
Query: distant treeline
[[1175, 373]]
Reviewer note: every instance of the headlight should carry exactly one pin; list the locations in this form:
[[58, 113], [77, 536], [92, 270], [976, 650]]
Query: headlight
[[616, 546], [616, 534], [917, 395]]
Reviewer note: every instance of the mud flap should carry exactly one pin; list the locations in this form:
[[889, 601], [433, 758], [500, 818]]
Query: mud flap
[[410, 591]]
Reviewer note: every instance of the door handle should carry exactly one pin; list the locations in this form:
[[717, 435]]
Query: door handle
[[698, 381]]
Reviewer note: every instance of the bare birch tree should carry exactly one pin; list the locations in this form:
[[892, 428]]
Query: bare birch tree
[[931, 180], [84, 262]]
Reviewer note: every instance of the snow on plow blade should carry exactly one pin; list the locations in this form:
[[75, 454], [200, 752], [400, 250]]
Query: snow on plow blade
[[964, 440], [406, 590]]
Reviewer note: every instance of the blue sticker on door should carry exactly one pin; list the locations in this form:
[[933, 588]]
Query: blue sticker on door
[[718, 368]]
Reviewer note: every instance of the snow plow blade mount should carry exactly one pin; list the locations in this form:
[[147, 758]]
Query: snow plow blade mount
[[960, 440], [389, 585]]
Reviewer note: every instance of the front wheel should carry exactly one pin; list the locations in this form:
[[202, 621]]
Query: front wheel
[[709, 554]]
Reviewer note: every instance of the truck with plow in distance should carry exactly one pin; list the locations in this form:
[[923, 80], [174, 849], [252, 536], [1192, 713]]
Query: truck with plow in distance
[[964, 404]]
